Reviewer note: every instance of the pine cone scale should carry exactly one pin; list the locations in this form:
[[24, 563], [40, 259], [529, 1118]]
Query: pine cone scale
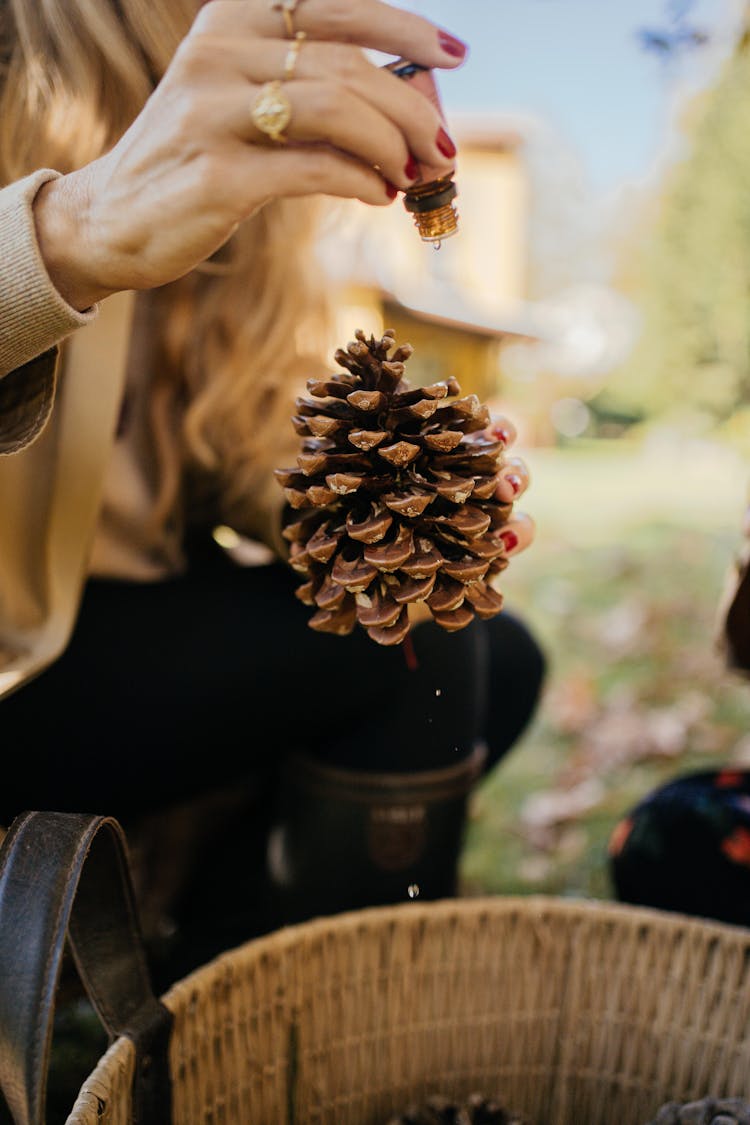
[[353, 573], [390, 556], [484, 487], [393, 635], [467, 570], [447, 595], [322, 544], [442, 442], [453, 487], [410, 504], [367, 439], [330, 595], [414, 589], [441, 1111], [424, 564], [369, 530], [377, 609]]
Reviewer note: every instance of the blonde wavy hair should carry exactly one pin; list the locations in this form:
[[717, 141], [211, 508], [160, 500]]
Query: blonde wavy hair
[[238, 335]]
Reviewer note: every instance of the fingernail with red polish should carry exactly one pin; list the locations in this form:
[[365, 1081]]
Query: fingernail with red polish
[[510, 540], [452, 46], [390, 189], [411, 169], [515, 482], [500, 434], [445, 144]]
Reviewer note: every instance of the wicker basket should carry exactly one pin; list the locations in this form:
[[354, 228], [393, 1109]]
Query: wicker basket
[[571, 1013]]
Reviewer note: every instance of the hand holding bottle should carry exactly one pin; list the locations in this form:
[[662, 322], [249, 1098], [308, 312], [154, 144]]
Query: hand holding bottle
[[193, 165]]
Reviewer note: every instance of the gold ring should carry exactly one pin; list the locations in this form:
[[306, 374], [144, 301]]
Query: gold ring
[[292, 53], [272, 111], [287, 9]]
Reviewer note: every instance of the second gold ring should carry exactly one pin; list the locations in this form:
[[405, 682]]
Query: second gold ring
[[290, 62], [287, 9]]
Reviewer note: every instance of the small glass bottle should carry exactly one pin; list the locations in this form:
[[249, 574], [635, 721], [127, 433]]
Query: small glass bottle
[[430, 200]]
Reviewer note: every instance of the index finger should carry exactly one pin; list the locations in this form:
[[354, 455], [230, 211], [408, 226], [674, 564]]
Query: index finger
[[371, 24]]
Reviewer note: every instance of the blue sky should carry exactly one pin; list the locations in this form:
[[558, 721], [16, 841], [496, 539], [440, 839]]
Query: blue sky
[[578, 65]]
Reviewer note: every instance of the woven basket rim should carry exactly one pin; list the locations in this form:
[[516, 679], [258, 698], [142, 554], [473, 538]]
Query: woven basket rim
[[444, 909]]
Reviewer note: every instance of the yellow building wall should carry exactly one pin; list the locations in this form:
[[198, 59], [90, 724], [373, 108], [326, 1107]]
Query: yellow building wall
[[441, 351], [491, 248]]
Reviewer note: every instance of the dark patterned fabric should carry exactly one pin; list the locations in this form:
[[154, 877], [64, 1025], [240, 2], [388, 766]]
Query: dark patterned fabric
[[25, 401], [686, 847]]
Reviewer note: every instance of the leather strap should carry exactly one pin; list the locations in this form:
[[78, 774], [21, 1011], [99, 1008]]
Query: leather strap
[[69, 873]]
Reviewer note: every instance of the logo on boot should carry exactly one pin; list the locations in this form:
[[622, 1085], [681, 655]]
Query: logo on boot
[[396, 835]]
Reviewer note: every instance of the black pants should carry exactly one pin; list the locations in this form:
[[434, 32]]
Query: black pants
[[169, 690]]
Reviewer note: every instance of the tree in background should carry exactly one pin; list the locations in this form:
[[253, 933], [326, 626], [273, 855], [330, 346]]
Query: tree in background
[[693, 277], [677, 36]]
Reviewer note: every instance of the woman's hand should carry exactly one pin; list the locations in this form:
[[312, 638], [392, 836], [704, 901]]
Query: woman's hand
[[193, 166], [518, 533]]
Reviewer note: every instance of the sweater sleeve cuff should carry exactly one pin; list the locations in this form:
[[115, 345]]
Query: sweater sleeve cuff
[[33, 314]]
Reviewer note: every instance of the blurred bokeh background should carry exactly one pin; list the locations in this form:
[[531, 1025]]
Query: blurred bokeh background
[[598, 293]]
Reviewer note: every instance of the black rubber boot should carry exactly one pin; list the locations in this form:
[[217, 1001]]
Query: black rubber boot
[[344, 839]]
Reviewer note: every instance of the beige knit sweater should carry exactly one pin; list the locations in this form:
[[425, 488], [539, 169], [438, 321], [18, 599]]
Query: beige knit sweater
[[76, 497], [128, 541]]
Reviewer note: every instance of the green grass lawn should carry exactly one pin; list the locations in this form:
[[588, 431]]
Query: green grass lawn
[[622, 588]]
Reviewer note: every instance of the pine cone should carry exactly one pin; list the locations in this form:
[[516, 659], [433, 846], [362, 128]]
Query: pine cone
[[707, 1111], [440, 1111], [393, 498]]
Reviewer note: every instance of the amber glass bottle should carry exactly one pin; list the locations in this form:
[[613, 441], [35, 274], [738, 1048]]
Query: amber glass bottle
[[430, 199]]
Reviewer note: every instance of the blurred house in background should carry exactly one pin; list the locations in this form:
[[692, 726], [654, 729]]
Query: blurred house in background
[[459, 304]]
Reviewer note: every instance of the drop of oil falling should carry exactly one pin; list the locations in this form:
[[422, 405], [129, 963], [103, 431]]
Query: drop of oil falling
[[437, 245], [413, 890]]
